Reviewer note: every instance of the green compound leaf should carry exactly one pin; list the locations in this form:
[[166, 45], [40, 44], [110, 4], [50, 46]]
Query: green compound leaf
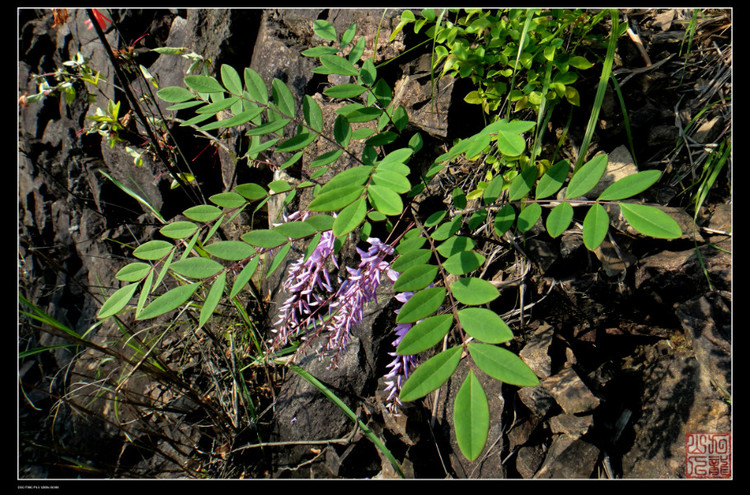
[[471, 417], [337, 198], [244, 277], [473, 291], [178, 230], [196, 267], [145, 291], [338, 65], [630, 186], [153, 250], [350, 217], [385, 200], [203, 84], [421, 305], [168, 301], [463, 262], [297, 142], [504, 219], [595, 226], [268, 127], [203, 213], [502, 365], [321, 222], [239, 119], [133, 272], [650, 221], [528, 217], [522, 184], [230, 250], [355, 176], [342, 130], [410, 242], [485, 325], [411, 258], [264, 238], [280, 255], [455, 244], [431, 374], [325, 159], [447, 229], [586, 177], [228, 200], [415, 278], [117, 301], [559, 219], [175, 94], [250, 191], [343, 91], [212, 299], [425, 334], [553, 179]]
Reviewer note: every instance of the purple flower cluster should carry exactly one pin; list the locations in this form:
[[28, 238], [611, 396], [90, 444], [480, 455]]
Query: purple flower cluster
[[401, 366], [313, 303]]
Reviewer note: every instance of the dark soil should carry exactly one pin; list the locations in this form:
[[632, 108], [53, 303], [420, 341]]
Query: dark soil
[[632, 343]]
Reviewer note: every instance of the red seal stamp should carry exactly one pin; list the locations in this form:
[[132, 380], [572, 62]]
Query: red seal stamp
[[708, 455]]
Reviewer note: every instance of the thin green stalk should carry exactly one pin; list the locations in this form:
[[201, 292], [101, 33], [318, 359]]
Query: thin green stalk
[[625, 119], [332, 397], [603, 81]]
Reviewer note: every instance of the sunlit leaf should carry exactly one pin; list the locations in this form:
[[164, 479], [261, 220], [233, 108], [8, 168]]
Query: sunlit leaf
[[650, 221], [528, 216], [587, 177], [264, 238], [203, 84], [197, 267], [522, 184], [502, 365], [421, 305], [168, 301], [553, 179], [425, 334], [595, 226], [463, 262], [385, 200], [415, 278], [153, 250], [117, 301], [343, 91], [133, 272], [471, 417], [244, 277], [559, 219], [350, 217], [473, 291], [213, 298], [630, 186], [337, 198], [455, 244], [251, 191], [227, 200], [231, 79], [485, 325], [202, 213], [504, 219], [230, 250], [411, 258], [175, 94], [283, 98], [431, 374]]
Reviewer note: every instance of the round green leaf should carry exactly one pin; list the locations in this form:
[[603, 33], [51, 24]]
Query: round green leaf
[[179, 230], [409, 243], [415, 278], [502, 365], [411, 258], [553, 179], [133, 272], [203, 213], [528, 216], [630, 186], [471, 417], [421, 305], [447, 229], [117, 301], [510, 144], [431, 374], [463, 262], [504, 219], [522, 184], [559, 219], [337, 198], [203, 84], [484, 325], [350, 217], [153, 250], [385, 200], [324, 29], [251, 191], [264, 238], [473, 291], [650, 221], [197, 267], [425, 334], [228, 200], [212, 299], [175, 94], [321, 222], [455, 244], [168, 301], [230, 250], [595, 226], [587, 177]]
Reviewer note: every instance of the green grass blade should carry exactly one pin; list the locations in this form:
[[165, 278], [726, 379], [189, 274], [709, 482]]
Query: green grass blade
[[333, 398]]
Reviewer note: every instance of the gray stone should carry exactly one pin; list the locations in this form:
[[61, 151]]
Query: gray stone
[[570, 392], [536, 352], [569, 458]]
